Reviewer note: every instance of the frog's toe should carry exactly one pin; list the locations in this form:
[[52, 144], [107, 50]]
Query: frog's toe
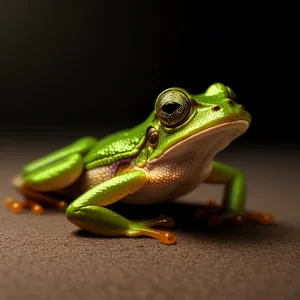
[[239, 218], [164, 237], [216, 219], [260, 217], [35, 207], [162, 220], [8, 202], [15, 207], [168, 238], [62, 206]]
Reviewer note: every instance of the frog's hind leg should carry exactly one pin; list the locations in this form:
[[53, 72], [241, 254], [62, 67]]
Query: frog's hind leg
[[80, 146], [50, 173], [32, 199], [36, 184]]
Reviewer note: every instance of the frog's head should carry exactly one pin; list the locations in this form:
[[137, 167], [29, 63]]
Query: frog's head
[[184, 122]]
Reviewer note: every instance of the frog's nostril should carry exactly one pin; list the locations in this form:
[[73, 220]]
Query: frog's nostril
[[216, 108], [231, 102]]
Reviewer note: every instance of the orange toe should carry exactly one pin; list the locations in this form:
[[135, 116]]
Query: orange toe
[[267, 219], [37, 209], [16, 207], [62, 205], [164, 237], [8, 202], [261, 217], [168, 238]]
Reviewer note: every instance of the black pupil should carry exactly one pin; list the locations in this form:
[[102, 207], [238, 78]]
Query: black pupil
[[170, 107]]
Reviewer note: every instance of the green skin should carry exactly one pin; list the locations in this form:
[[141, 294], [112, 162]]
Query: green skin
[[138, 157]]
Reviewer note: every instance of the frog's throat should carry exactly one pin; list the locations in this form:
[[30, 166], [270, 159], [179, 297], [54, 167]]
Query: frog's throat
[[206, 143]]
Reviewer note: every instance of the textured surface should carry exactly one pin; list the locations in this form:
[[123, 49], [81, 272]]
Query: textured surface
[[45, 257]]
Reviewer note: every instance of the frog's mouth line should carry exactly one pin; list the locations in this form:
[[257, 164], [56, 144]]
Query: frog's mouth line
[[217, 138]]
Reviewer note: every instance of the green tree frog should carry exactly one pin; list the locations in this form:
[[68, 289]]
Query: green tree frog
[[161, 159]]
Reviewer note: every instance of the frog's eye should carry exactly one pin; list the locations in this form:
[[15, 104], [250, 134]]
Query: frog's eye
[[231, 94], [173, 107], [217, 88]]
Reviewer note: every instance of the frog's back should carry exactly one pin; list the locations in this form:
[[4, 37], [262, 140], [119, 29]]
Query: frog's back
[[117, 146]]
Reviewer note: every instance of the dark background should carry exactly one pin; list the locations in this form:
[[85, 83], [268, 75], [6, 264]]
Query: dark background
[[72, 68], [97, 66]]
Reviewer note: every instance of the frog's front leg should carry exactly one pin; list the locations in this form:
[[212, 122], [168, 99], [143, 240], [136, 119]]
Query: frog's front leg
[[234, 197], [88, 211]]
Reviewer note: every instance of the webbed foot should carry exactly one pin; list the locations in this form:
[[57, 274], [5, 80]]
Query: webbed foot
[[259, 216], [17, 207], [216, 215], [35, 206], [164, 237], [162, 220], [144, 227]]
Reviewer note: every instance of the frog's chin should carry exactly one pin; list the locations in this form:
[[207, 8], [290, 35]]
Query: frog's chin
[[206, 143]]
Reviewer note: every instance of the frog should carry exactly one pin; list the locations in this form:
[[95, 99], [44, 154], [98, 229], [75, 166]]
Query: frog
[[163, 158]]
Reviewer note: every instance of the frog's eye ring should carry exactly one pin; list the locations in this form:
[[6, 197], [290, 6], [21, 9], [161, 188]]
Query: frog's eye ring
[[173, 107]]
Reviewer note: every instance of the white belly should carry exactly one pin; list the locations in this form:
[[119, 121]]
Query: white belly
[[185, 165], [168, 181], [168, 190]]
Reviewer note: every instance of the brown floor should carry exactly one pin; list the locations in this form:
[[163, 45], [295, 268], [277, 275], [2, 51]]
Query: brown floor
[[45, 257]]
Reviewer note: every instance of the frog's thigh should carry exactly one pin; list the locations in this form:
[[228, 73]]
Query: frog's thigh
[[57, 175], [87, 211], [81, 146]]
